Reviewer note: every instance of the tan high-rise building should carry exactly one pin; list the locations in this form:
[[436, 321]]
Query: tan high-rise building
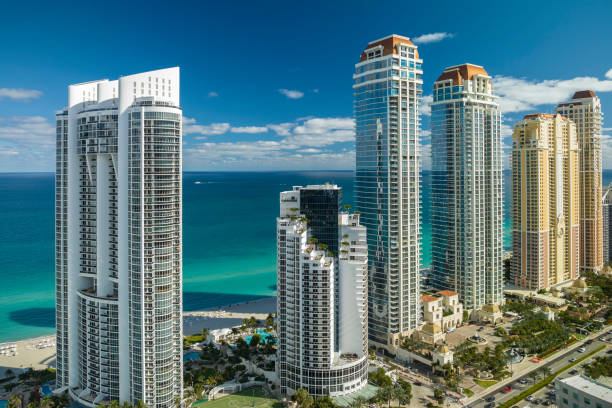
[[585, 111], [545, 205]]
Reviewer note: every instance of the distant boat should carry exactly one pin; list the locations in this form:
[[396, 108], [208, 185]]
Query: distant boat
[[198, 182]]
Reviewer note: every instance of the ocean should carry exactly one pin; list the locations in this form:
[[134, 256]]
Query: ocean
[[229, 240]]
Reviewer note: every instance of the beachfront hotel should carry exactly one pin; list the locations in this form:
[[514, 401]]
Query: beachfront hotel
[[466, 187], [322, 294], [585, 111], [545, 201], [387, 92], [118, 241]]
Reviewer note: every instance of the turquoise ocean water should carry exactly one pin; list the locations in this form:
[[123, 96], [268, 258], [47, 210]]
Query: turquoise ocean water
[[228, 240]]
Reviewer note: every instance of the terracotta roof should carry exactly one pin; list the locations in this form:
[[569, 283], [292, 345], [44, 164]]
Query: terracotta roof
[[543, 115], [584, 94], [447, 293], [427, 298], [460, 73], [389, 45]]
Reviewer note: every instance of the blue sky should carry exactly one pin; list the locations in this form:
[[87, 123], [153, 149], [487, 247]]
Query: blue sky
[[267, 86]]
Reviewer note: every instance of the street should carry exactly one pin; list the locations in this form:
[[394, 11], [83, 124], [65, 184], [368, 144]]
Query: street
[[555, 364]]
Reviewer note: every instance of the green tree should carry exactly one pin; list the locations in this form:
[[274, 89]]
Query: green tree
[[140, 404], [114, 404], [14, 401], [324, 402], [46, 402], [255, 340], [358, 402], [407, 387], [385, 394], [126, 404], [438, 395], [300, 396], [269, 320], [204, 334], [198, 389]]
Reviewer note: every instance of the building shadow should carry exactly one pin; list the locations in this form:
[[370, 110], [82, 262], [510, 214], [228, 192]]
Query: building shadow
[[35, 316]]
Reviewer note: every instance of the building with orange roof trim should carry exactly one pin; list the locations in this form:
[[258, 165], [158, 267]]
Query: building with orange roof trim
[[466, 187], [443, 309], [387, 89], [585, 111]]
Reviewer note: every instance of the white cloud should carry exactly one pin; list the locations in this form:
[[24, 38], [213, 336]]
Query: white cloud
[[212, 129], [282, 129], [33, 131], [299, 147], [212, 94], [432, 38], [291, 94], [249, 129], [19, 94], [425, 107], [609, 74], [188, 121], [520, 94]]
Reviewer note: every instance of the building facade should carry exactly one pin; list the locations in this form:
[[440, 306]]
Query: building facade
[[387, 94], [443, 309], [118, 241], [585, 111], [322, 298], [545, 201], [607, 224], [466, 192], [581, 391]]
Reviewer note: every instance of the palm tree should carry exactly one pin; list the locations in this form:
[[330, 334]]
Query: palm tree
[[198, 389], [534, 375], [140, 404], [385, 394], [114, 404], [126, 404], [15, 401], [46, 402], [358, 402]]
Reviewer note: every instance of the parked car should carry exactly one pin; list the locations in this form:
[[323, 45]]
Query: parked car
[[481, 328], [581, 350], [530, 398], [491, 398], [571, 360], [589, 342], [573, 372], [523, 381], [507, 389], [490, 405]]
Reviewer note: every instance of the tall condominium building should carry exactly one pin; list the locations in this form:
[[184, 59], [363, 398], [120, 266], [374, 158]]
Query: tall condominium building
[[322, 295], [388, 91], [466, 192], [545, 205], [607, 224], [585, 111], [118, 241]]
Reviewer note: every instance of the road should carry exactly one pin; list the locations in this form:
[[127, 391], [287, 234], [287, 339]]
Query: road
[[555, 364]]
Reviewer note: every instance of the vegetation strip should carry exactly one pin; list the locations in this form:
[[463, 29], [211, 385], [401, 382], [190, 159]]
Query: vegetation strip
[[547, 380]]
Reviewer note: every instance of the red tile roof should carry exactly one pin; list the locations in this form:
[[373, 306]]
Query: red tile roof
[[427, 298], [389, 45], [461, 73], [447, 293], [584, 94]]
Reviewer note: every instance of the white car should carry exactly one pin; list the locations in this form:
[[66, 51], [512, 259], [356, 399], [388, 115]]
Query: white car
[[581, 350]]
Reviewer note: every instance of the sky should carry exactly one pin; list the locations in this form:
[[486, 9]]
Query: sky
[[268, 85]]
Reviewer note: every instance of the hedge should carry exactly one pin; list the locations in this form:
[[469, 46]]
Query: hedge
[[547, 380]]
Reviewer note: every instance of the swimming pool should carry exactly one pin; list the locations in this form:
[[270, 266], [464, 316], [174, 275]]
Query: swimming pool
[[45, 389], [264, 336], [3, 403], [189, 356]]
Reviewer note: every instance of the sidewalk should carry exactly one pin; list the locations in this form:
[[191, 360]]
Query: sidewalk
[[527, 369]]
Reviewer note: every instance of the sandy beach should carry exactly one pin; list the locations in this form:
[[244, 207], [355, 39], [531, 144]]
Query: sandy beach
[[39, 352]]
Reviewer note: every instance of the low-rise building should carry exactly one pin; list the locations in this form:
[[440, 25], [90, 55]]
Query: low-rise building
[[581, 391], [443, 309], [489, 313]]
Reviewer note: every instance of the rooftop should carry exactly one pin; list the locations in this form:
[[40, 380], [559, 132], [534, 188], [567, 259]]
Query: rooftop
[[389, 44], [427, 298], [460, 73], [589, 386], [584, 94], [447, 293], [542, 115]]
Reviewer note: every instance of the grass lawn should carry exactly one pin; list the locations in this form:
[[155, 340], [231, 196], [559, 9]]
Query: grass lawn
[[468, 392], [485, 383], [251, 397]]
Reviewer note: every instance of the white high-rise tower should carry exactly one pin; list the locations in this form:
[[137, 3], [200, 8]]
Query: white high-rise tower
[[322, 294], [119, 240]]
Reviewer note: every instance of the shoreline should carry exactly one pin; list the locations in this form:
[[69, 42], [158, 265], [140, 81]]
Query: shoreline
[[39, 352]]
